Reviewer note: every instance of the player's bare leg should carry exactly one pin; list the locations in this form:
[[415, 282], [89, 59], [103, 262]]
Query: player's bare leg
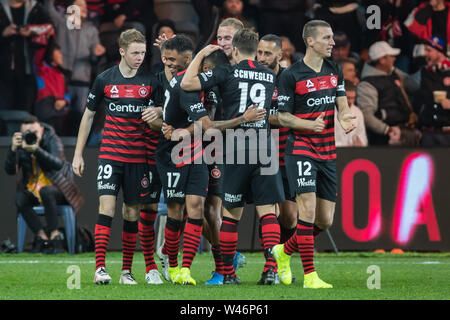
[[192, 235], [146, 228], [324, 215], [107, 207]]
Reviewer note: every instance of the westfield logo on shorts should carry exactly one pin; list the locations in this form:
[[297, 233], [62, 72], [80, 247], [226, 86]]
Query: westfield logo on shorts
[[106, 186], [303, 183], [172, 194]]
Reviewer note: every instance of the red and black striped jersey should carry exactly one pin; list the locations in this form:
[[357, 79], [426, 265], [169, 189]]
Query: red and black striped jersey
[[306, 93], [283, 132], [126, 136]]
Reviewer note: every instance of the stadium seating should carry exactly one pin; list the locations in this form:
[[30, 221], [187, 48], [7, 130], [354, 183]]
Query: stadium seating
[[68, 216]]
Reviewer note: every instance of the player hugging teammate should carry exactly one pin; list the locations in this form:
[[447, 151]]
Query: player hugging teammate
[[146, 146]]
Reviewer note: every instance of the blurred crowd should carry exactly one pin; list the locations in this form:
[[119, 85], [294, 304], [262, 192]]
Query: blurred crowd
[[393, 56]]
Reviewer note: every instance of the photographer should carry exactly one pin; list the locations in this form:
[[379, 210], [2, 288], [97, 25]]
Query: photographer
[[46, 180], [21, 25]]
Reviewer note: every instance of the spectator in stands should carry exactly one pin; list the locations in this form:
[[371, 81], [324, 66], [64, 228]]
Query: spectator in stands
[[382, 96], [235, 9], [46, 180], [18, 43], [358, 137], [349, 72], [289, 53], [434, 112], [430, 18], [283, 17], [52, 98], [96, 10], [165, 29], [344, 15], [127, 14], [80, 49], [341, 49]]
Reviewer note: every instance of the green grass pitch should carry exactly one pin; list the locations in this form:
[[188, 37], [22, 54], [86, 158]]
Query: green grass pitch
[[408, 276]]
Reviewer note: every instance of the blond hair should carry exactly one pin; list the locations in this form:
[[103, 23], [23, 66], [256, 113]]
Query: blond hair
[[130, 36], [232, 22]]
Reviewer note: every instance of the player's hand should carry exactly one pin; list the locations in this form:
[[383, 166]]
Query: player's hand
[[210, 48], [253, 114], [78, 165], [160, 40], [347, 122], [319, 124], [167, 130], [16, 141], [151, 114]]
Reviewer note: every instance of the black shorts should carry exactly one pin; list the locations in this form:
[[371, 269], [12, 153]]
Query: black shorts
[[244, 183], [286, 188], [191, 179], [308, 175], [215, 184], [139, 181]]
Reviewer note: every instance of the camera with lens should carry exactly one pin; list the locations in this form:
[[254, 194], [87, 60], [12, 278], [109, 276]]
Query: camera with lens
[[29, 137]]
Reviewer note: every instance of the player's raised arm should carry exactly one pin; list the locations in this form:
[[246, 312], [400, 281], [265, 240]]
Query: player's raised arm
[[190, 81], [83, 134]]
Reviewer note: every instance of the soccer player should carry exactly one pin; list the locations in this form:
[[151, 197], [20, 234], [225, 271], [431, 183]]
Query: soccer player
[[269, 55], [122, 161], [185, 181], [241, 85], [307, 93], [225, 33]]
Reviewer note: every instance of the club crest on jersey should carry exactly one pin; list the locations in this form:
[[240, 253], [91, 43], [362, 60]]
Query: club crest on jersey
[[143, 92], [334, 81], [114, 92], [275, 94], [144, 182], [215, 173]]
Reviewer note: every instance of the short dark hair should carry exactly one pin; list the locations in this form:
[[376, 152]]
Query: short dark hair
[[349, 86], [246, 41], [273, 38], [179, 43], [217, 58], [30, 119], [310, 28], [165, 23]]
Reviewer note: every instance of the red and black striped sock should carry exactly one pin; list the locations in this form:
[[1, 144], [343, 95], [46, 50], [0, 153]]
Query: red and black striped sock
[[285, 233], [191, 240], [228, 242], [147, 237], [102, 234], [217, 258], [305, 241], [172, 240], [270, 235], [316, 231], [290, 246], [129, 239]]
